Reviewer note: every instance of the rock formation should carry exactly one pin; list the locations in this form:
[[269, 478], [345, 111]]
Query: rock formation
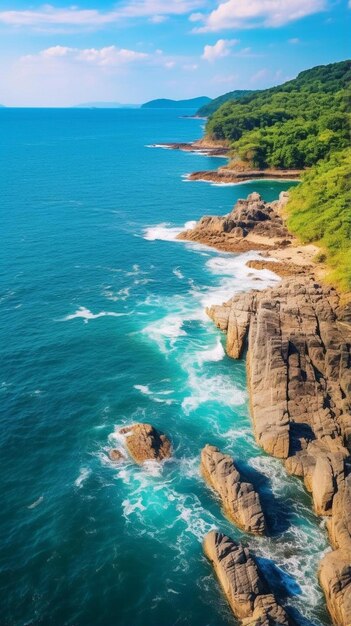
[[238, 174], [281, 268], [116, 455], [299, 378], [247, 591], [335, 567], [252, 224], [202, 146], [240, 501], [145, 443]]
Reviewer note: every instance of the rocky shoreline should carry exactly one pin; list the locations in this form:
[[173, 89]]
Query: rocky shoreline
[[202, 146], [297, 336], [225, 175], [229, 173]]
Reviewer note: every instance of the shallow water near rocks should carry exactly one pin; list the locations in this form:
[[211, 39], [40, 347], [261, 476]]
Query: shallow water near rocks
[[102, 325]]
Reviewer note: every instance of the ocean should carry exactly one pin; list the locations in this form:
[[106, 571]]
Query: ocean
[[102, 325]]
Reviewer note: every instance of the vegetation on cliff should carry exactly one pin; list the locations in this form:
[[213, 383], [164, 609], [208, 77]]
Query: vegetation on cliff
[[304, 123], [213, 105], [319, 210], [290, 126]]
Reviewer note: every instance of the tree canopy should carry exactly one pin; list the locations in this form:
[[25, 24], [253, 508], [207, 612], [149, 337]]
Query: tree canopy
[[319, 211], [293, 125]]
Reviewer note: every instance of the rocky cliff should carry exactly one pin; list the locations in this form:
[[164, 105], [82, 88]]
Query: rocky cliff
[[299, 377], [240, 501], [251, 225], [247, 591], [234, 174]]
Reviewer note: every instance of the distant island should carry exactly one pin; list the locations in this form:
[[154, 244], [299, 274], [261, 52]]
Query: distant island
[[165, 103]]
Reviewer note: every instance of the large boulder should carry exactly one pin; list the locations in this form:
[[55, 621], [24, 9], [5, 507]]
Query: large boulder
[[247, 227], [240, 501], [245, 587], [145, 443], [335, 579]]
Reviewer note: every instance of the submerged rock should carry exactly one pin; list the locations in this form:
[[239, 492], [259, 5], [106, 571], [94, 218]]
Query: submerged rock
[[145, 443], [247, 591], [240, 501], [116, 455]]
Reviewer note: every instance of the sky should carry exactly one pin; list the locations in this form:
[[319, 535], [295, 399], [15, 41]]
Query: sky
[[131, 51]]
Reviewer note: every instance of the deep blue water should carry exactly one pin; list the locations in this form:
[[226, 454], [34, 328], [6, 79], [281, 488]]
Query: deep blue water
[[103, 324]]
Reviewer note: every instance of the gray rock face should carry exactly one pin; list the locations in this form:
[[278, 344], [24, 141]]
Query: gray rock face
[[248, 594], [299, 377], [240, 501], [232, 232]]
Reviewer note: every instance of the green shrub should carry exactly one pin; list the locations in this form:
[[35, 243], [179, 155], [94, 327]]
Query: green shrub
[[319, 211], [290, 126]]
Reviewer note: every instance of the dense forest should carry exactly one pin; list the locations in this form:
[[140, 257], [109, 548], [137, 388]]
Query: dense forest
[[290, 126], [303, 124], [319, 211], [212, 106]]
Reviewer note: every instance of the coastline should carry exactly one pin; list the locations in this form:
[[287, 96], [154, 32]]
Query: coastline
[[200, 146], [229, 176], [298, 398], [226, 174]]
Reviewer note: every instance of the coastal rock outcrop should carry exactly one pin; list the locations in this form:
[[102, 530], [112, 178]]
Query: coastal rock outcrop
[[299, 376], [240, 501], [247, 591], [202, 146], [116, 455], [335, 579], [252, 224], [237, 174], [335, 567], [145, 443]]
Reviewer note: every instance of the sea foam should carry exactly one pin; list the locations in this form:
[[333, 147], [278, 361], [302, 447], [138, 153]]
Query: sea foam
[[84, 313], [166, 232]]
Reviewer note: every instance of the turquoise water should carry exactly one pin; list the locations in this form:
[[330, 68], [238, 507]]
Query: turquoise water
[[103, 324]]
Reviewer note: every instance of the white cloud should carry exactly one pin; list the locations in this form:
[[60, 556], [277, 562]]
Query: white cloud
[[222, 48], [56, 51], [226, 79], [190, 67], [48, 17], [110, 55], [199, 17], [294, 40], [254, 13], [158, 19], [107, 56], [258, 76]]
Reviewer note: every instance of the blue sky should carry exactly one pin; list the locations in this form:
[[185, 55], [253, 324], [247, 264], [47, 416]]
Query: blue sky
[[130, 51]]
